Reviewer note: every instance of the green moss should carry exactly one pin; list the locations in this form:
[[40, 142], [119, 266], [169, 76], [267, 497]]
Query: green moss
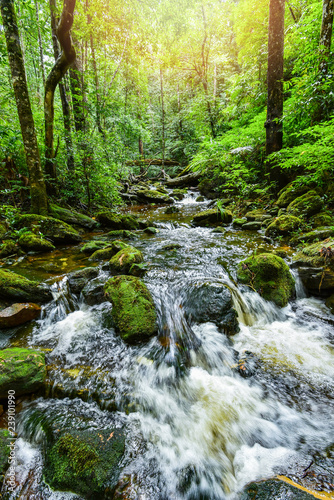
[[93, 246], [290, 193], [283, 226], [269, 275], [71, 217], [152, 196], [85, 462], [311, 255], [115, 220], [3, 230], [19, 289], [124, 259], [8, 248], [239, 221], [109, 251], [32, 241], [120, 233], [305, 206], [55, 230], [322, 219], [4, 453], [133, 308], [212, 216], [22, 370]]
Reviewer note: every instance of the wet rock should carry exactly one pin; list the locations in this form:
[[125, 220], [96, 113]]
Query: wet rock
[[330, 303], [35, 242], [289, 193], [93, 292], [238, 222], [72, 217], [21, 370], [4, 453], [124, 259], [316, 267], [109, 251], [247, 364], [7, 248], [151, 230], [172, 210], [17, 314], [58, 232], [211, 302], [269, 275], [184, 180], [208, 188], [138, 270], [79, 279], [283, 226], [171, 246], [86, 462], [92, 246], [199, 199], [318, 234], [179, 194], [133, 308], [212, 217], [219, 230], [305, 206], [252, 226], [14, 287], [143, 224], [123, 233], [274, 489], [322, 219], [257, 215], [151, 196], [115, 220]]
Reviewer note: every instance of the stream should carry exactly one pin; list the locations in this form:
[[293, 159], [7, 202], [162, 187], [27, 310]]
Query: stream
[[195, 428]]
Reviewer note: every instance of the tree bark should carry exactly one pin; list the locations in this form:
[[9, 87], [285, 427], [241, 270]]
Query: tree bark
[[62, 91], [19, 81], [162, 119], [273, 125], [40, 43], [63, 62], [326, 35]]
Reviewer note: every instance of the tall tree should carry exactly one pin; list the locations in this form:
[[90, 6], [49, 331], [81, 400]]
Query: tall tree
[[19, 81], [62, 64], [274, 127], [326, 35]]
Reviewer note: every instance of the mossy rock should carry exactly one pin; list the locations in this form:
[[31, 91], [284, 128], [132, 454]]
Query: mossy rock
[[211, 217], [124, 259], [151, 230], [54, 230], [257, 215], [16, 288], [92, 246], [4, 453], [72, 217], [283, 226], [269, 275], [21, 370], [86, 462], [3, 230], [239, 221], [109, 251], [133, 308], [274, 489], [79, 279], [151, 196], [138, 270], [121, 233], [34, 242], [322, 219], [252, 226], [305, 206], [7, 248], [319, 234], [172, 210], [208, 188], [289, 193], [330, 303], [179, 194], [115, 220]]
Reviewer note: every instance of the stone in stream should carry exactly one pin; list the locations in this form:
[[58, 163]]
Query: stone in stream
[[172, 210], [18, 314], [212, 217], [78, 279], [269, 275], [322, 219], [14, 287], [319, 234], [151, 230], [151, 196], [133, 308], [289, 193], [93, 292], [72, 217], [211, 302], [92, 246], [115, 220], [252, 226], [35, 242], [86, 462], [124, 259], [124, 233], [275, 489], [109, 251], [7, 248], [21, 370], [239, 221], [57, 231], [306, 205], [283, 226]]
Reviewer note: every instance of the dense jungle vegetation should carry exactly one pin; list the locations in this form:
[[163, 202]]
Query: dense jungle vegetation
[[183, 81]]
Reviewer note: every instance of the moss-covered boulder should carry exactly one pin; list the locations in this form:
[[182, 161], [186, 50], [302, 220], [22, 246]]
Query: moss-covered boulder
[[133, 308], [122, 233], [305, 206], [151, 196], [72, 217], [283, 226], [35, 242], [322, 219], [109, 251], [17, 314], [92, 246], [252, 226], [115, 220], [289, 193], [54, 230], [316, 267], [21, 370], [269, 275], [275, 489], [212, 217], [4, 453], [14, 287], [79, 279], [239, 221], [151, 230], [208, 188], [179, 194], [86, 462], [319, 234], [124, 259], [7, 248], [257, 215]]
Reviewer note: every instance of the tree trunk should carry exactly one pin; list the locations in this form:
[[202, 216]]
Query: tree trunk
[[274, 128], [326, 35], [62, 91], [37, 185], [162, 120], [40, 43], [63, 62]]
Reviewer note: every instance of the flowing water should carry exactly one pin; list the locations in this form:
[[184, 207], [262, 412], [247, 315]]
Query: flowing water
[[195, 428]]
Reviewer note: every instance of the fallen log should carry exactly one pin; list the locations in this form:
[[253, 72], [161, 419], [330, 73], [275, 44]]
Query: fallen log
[[157, 161], [186, 180]]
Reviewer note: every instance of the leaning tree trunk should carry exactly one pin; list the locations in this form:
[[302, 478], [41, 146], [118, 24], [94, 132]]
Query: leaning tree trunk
[[274, 128], [63, 62], [37, 186]]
